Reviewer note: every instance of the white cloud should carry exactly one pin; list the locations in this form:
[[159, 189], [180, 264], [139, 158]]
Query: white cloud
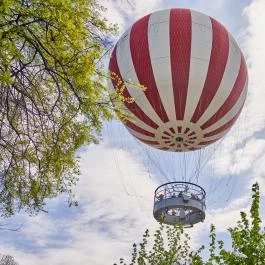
[[255, 51], [239, 160], [116, 200], [125, 12], [38, 229]]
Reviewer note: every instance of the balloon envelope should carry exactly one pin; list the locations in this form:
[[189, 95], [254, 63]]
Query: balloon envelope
[[195, 77]]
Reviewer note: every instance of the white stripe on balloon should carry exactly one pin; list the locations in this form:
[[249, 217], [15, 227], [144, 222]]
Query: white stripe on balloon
[[127, 71], [201, 44], [227, 83]]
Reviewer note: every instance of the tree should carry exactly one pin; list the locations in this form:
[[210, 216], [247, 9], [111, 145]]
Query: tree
[[248, 239], [172, 248], [7, 260], [53, 98]]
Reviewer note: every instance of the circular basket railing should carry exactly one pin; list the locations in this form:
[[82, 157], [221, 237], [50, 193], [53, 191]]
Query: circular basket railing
[[179, 202]]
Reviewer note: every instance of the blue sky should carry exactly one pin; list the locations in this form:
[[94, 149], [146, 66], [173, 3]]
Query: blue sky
[[119, 175]]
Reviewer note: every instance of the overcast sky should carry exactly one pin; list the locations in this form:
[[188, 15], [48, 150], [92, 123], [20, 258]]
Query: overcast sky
[[119, 175]]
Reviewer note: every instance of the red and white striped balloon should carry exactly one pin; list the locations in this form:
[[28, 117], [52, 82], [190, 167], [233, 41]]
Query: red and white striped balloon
[[195, 75]]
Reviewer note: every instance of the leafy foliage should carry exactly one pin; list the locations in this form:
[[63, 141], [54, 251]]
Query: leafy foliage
[[53, 97], [172, 248], [248, 239], [7, 260]]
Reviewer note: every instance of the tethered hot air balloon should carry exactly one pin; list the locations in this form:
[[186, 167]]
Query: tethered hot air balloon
[[196, 84]]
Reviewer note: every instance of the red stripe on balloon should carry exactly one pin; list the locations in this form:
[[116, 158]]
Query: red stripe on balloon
[[194, 149], [138, 129], [180, 50], [205, 143], [133, 107], [233, 97], [223, 127], [139, 47], [217, 64], [163, 148]]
